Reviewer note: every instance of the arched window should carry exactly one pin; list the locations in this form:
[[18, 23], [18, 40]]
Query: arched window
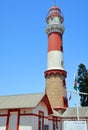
[[41, 120]]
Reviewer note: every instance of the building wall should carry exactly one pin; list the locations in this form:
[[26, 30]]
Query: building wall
[[24, 119], [41, 108], [13, 120], [75, 119], [3, 119], [25, 123], [3, 123]]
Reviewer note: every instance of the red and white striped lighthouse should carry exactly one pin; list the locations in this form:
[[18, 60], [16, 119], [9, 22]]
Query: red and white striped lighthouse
[[55, 74]]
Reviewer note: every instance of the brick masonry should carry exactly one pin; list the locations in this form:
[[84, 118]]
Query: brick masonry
[[55, 90]]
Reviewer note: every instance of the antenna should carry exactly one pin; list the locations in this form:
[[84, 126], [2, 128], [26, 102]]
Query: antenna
[[54, 2]]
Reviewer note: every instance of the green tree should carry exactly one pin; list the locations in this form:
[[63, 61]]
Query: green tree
[[83, 84]]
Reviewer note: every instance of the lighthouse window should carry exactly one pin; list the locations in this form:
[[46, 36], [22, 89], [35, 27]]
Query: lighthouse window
[[65, 102], [64, 83], [51, 18], [62, 63], [54, 11], [61, 48]]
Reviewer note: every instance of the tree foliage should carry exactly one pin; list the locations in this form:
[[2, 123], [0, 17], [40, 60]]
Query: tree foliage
[[83, 84]]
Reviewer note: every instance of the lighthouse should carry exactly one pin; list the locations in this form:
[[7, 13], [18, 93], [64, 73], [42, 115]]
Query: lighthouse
[[55, 74]]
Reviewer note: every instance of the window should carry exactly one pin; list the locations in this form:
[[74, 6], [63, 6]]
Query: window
[[51, 18], [41, 120], [46, 127], [40, 124], [54, 127], [64, 83], [62, 63], [65, 102], [55, 124], [61, 48]]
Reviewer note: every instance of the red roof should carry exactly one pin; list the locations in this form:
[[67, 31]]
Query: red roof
[[54, 8]]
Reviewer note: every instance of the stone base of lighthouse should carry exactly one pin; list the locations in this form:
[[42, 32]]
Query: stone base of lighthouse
[[56, 90]]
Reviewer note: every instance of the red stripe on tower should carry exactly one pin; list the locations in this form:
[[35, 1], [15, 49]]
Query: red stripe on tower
[[55, 42]]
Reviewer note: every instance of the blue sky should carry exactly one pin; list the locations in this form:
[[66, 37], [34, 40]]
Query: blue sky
[[23, 43]]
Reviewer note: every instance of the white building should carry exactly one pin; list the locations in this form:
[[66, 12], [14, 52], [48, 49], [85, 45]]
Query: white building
[[25, 112]]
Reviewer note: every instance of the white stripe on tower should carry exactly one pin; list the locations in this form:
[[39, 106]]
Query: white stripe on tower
[[55, 60]]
